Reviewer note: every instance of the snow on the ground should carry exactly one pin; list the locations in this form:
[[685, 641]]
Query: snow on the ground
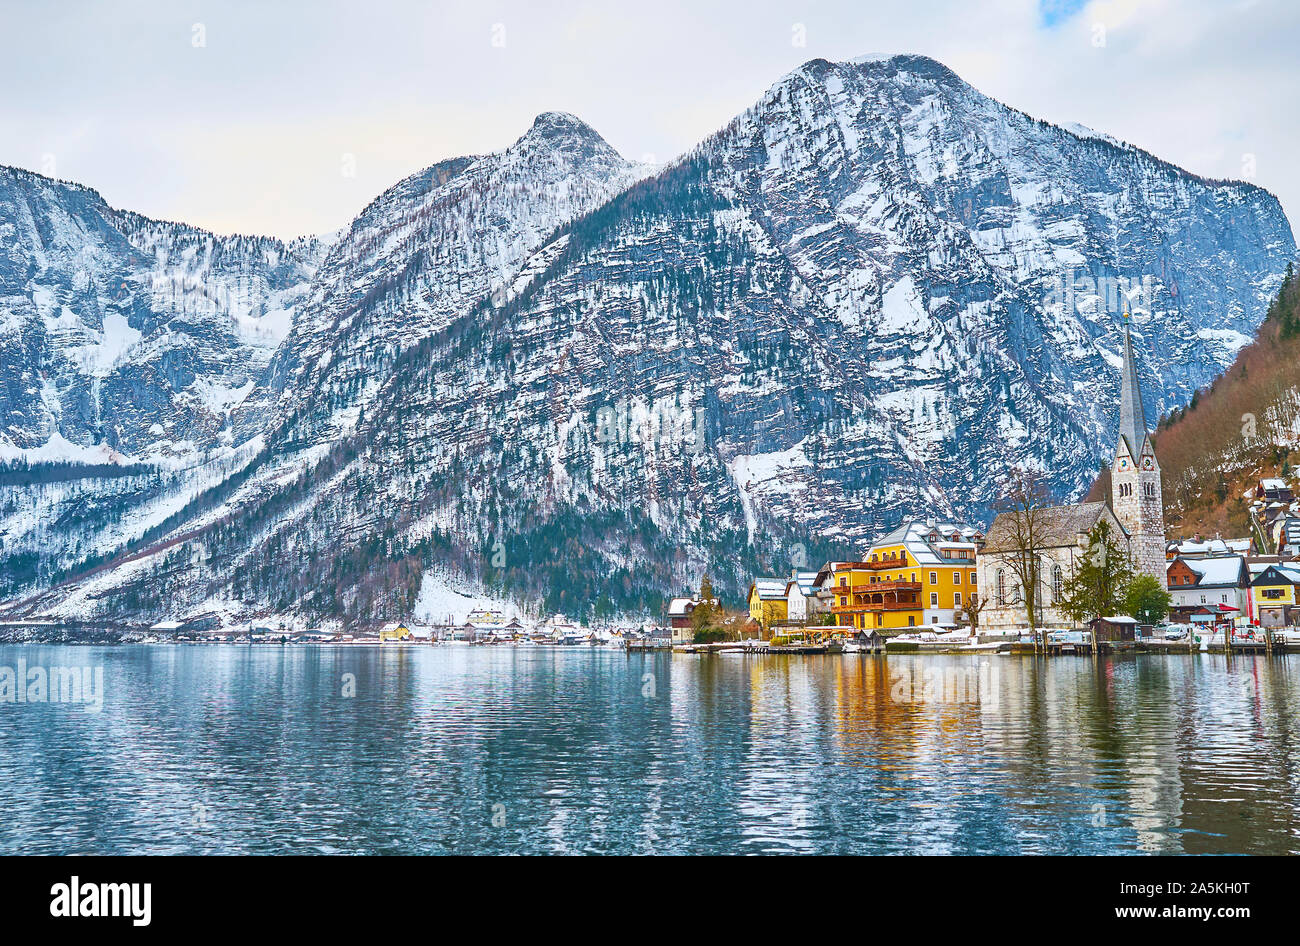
[[1232, 340], [60, 450], [438, 600], [750, 472], [1083, 131], [114, 341], [220, 398], [901, 311]]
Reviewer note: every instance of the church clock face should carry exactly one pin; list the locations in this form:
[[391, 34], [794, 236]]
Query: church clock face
[[1148, 464], [1123, 464]]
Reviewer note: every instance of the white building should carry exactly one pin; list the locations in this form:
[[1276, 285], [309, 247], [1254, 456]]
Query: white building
[[1063, 544], [1206, 548], [679, 618], [1205, 582], [805, 600], [1137, 495]]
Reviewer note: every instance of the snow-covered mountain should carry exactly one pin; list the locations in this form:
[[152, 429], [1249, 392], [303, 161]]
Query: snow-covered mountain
[[869, 295], [424, 250], [126, 334], [427, 250]]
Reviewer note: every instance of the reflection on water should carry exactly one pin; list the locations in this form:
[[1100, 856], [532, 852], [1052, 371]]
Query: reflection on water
[[229, 749]]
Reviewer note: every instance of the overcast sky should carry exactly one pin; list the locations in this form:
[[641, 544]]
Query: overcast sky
[[287, 118]]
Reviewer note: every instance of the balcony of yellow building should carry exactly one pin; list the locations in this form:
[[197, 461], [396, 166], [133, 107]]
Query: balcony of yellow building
[[877, 596]]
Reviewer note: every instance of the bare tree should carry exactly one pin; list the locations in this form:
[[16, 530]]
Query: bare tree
[[1025, 503], [972, 607]]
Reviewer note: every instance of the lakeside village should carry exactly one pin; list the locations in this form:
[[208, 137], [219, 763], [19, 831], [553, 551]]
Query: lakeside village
[[1084, 578]]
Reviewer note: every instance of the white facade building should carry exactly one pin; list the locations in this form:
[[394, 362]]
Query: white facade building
[[1063, 531], [1207, 582], [803, 601]]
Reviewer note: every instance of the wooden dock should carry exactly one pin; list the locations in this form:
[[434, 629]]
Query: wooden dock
[[643, 646], [752, 647], [1076, 645]]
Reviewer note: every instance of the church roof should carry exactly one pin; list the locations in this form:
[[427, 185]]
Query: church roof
[[1132, 419], [1058, 526]]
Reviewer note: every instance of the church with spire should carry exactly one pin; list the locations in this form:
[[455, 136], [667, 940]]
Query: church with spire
[[1135, 512], [1136, 495]]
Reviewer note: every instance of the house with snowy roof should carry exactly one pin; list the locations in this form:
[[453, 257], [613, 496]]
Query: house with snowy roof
[[944, 556], [923, 571], [1274, 489], [805, 600], [1197, 547], [680, 609], [1273, 595], [767, 603], [679, 612], [1216, 583], [1286, 535]]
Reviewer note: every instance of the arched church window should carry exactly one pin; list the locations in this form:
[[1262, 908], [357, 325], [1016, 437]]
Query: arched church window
[[1058, 584]]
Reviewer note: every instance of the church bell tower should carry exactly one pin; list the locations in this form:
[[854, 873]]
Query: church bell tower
[[1135, 477]]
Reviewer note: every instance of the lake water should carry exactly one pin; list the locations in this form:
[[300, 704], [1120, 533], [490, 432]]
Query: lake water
[[229, 749]]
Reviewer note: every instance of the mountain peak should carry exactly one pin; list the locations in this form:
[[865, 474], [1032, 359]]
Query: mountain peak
[[550, 124], [568, 135], [869, 59], [872, 69], [914, 63]]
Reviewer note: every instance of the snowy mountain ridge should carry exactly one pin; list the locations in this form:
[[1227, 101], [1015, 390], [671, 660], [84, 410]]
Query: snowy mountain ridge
[[577, 383]]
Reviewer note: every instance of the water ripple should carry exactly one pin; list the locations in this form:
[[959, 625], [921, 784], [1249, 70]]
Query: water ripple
[[230, 749]]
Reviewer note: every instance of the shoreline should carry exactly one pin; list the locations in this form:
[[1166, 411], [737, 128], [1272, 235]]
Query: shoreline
[[105, 638]]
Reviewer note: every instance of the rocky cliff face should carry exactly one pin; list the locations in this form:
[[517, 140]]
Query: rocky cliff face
[[870, 295], [128, 344], [424, 253], [129, 335]]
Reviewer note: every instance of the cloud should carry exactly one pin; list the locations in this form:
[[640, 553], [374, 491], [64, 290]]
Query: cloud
[[248, 131]]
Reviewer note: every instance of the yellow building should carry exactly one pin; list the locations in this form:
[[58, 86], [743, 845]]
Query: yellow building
[[864, 599], [1273, 595], [767, 602], [921, 573]]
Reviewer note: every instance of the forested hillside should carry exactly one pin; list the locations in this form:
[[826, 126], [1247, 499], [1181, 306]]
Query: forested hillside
[[1243, 426]]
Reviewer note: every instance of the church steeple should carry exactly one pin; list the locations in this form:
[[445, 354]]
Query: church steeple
[[1132, 420], [1137, 496]]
